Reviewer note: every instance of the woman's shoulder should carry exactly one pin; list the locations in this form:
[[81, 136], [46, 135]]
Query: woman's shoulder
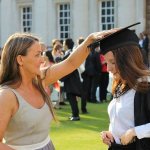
[[7, 97], [5, 90]]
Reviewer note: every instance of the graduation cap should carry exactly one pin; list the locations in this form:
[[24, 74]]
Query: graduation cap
[[122, 37]]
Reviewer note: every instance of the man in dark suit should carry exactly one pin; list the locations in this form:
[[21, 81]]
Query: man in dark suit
[[72, 85]]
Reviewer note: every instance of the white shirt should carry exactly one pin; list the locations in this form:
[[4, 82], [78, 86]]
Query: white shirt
[[121, 113]]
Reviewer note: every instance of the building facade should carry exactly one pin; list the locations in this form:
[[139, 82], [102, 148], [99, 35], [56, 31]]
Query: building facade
[[61, 19]]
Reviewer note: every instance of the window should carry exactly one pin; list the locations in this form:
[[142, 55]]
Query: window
[[107, 14], [26, 19], [64, 20]]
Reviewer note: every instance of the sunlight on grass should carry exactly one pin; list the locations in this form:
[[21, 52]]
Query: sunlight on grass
[[83, 134]]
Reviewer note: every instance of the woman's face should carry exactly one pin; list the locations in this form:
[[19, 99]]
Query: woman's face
[[32, 61], [111, 66]]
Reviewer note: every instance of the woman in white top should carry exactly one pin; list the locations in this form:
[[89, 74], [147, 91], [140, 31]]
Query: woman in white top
[[25, 108], [129, 111]]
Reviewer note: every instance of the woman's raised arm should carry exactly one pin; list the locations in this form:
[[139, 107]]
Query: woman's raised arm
[[76, 58]]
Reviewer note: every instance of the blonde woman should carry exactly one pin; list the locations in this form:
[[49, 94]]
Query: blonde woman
[[25, 108]]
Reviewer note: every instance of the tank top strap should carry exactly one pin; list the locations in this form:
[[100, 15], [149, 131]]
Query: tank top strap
[[18, 96]]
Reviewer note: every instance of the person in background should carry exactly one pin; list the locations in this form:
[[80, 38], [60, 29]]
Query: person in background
[[96, 74], [87, 76], [81, 69], [25, 108], [143, 51], [56, 42], [104, 79], [57, 52], [72, 84], [80, 40], [141, 37], [129, 111], [48, 61], [53, 90], [43, 47], [146, 42], [92, 74]]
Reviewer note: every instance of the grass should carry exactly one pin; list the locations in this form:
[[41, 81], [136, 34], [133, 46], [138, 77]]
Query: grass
[[83, 134]]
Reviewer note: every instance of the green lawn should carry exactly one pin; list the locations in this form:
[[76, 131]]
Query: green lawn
[[83, 134]]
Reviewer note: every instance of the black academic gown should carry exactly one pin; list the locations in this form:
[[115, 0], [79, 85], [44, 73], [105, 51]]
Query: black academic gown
[[142, 116]]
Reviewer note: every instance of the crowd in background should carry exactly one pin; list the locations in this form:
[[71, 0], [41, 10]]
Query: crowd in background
[[90, 82]]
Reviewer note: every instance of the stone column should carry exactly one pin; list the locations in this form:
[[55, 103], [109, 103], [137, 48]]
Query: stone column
[[40, 25], [6, 20], [80, 18], [93, 19]]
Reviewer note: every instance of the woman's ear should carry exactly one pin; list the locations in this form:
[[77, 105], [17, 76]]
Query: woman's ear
[[19, 60]]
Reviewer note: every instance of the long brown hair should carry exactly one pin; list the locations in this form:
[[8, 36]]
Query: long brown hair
[[18, 44], [130, 66]]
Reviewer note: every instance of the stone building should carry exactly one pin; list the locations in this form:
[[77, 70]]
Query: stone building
[[61, 19], [147, 13]]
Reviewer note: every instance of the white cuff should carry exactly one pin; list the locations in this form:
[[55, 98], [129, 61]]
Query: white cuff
[[142, 131]]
